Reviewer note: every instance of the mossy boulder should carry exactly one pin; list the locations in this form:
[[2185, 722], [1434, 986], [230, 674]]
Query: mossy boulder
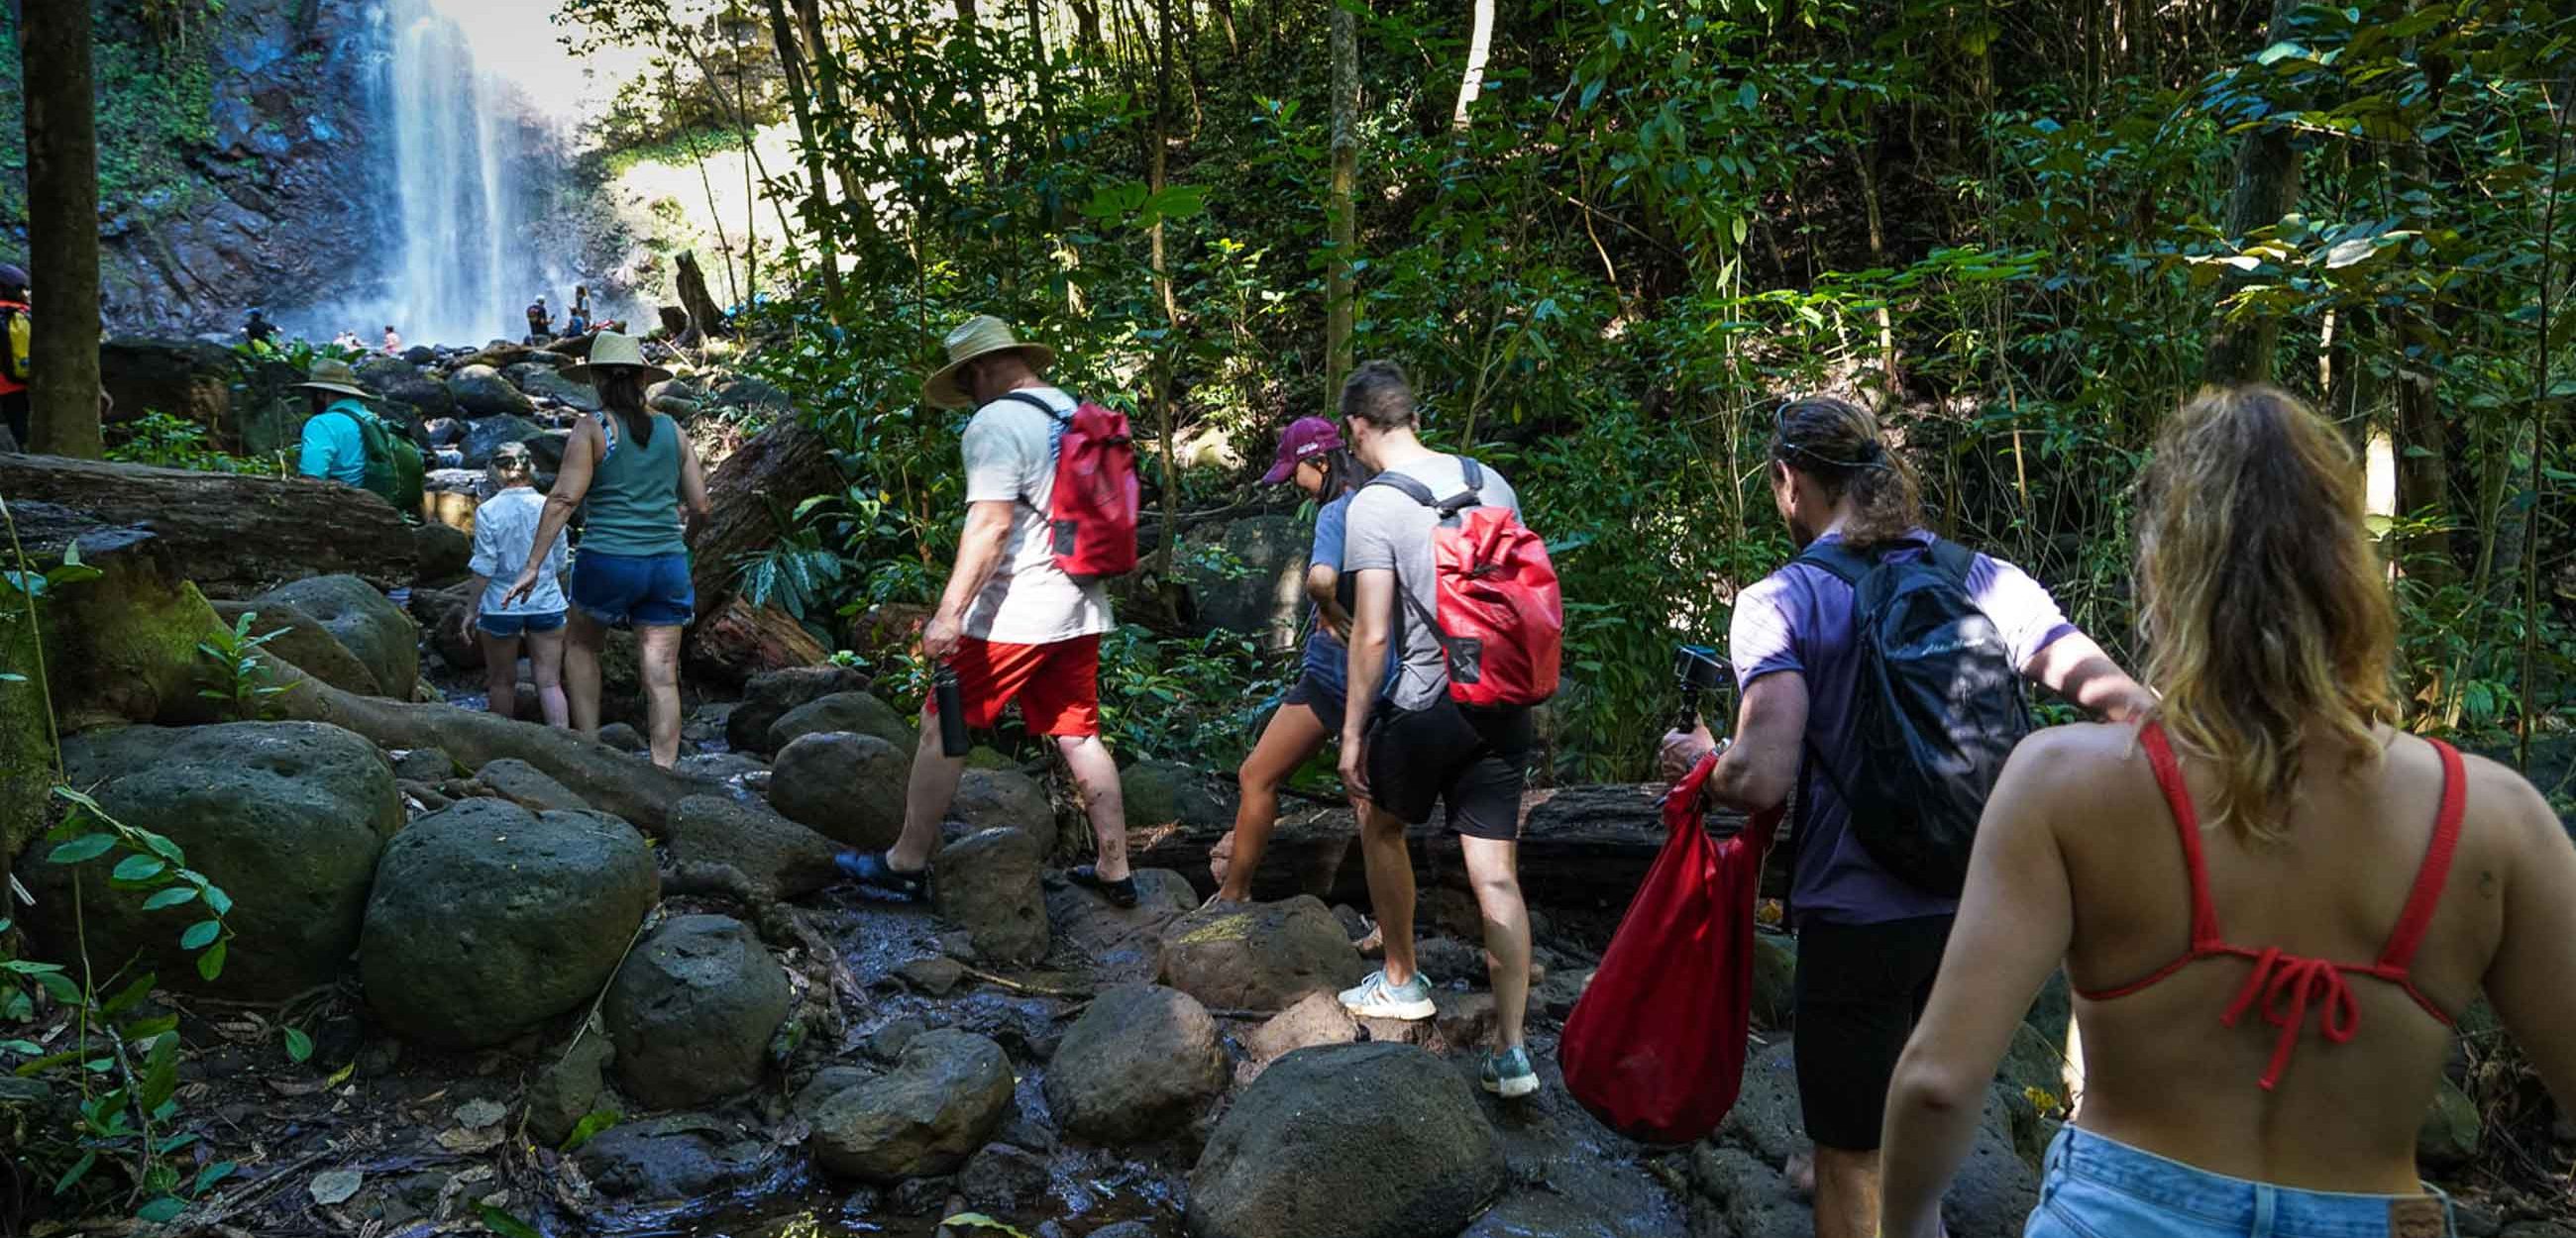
[[366, 621], [302, 640]]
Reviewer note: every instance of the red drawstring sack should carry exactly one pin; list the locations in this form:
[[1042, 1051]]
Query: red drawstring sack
[[1655, 1047]]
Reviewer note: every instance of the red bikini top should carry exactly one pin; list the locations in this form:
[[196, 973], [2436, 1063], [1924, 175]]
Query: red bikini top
[[2287, 984]]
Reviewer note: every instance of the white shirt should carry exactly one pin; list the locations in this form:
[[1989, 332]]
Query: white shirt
[[504, 527], [1010, 458]]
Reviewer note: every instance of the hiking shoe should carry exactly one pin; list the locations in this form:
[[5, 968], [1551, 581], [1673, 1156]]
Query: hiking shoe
[[1508, 1074], [1120, 893], [1377, 999], [879, 877]]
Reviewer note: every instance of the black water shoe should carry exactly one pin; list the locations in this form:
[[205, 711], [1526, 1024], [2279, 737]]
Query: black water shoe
[[876, 875], [1120, 893]]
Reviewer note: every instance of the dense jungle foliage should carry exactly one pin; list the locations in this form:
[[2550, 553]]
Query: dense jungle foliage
[[1608, 248]]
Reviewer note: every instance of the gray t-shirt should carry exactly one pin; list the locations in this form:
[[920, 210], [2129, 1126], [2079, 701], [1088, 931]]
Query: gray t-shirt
[[1389, 531]]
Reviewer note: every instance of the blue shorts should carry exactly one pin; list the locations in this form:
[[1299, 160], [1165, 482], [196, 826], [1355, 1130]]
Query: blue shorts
[[648, 591], [508, 627], [2096, 1187]]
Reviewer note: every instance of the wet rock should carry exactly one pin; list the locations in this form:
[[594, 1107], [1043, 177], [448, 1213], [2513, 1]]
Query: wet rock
[[776, 856], [2452, 1129], [369, 624], [287, 817], [940, 1104], [567, 1088], [1350, 1141], [426, 398], [528, 787], [856, 712], [481, 391], [1995, 1189], [1318, 1018], [381, 374], [1446, 959], [488, 920], [682, 1158], [1139, 1064], [934, 976], [720, 766], [1465, 1022], [540, 381], [767, 697], [1161, 792], [848, 786], [437, 612], [444, 554], [625, 738], [987, 884], [1767, 1117], [1126, 1229], [442, 431], [886, 1044], [188, 379], [1002, 1178], [302, 640], [1775, 974], [1124, 944], [693, 1010], [1002, 799], [1263, 956], [1747, 1196], [1555, 996], [430, 765], [487, 434], [828, 1082]]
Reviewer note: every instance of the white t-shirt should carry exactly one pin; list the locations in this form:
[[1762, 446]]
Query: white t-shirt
[[1010, 458], [505, 534]]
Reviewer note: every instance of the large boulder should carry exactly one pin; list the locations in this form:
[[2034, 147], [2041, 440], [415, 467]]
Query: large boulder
[[287, 817], [856, 712], [381, 374], [1348, 1141], [767, 697], [848, 786], [945, 1097], [1259, 957], [693, 1010], [1122, 943], [1160, 792], [445, 555], [427, 398], [1003, 799], [1138, 1065], [987, 883], [485, 435], [776, 857], [301, 639], [488, 920], [365, 620], [480, 391], [187, 379], [684, 1158], [541, 381]]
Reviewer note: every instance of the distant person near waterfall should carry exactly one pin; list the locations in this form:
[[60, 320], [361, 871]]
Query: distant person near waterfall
[[16, 338], [344, 440], [631, 469], [393, 342], [577, 320], [541, 322], [258, 330]]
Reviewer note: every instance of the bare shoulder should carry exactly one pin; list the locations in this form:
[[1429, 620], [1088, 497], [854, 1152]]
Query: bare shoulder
[[2081, 751], [2502, 800]]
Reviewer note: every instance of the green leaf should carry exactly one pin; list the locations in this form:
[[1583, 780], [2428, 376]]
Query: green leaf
[[977, 1220], [216, 899], [26, 1048], [61, 987], [171, 897], [139, 868], [505, 1225], [162, 1211], [79, 1169], [126, 997], [211, 963], [589, 1128], [160, 1074], [85, 847], [201, 934], [299, 1047], [211, 1175]]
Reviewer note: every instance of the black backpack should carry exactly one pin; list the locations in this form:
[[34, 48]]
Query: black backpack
[[1936, 710]]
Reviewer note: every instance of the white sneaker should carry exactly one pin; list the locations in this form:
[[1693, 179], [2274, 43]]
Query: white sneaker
[[1377, 999]]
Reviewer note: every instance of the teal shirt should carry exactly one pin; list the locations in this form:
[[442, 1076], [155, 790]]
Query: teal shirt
[[633, 505], [332, 447]]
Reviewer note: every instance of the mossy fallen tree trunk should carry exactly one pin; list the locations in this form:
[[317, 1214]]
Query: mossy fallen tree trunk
[[238, 535]]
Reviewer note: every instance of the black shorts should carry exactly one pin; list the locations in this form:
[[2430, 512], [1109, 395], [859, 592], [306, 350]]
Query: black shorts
[[1325, 699], [1474, 760], [1860, 988]]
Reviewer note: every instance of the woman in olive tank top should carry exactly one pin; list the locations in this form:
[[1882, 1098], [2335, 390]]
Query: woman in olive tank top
[[630, 468]]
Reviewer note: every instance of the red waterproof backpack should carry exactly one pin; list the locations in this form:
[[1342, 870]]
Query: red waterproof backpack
[[1655, 1047], [1092, 518], [1501, 620]]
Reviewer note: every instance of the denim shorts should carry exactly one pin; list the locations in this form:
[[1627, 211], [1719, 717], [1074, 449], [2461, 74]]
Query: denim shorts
[[649, 591], [2097, 1187], [507, 627]]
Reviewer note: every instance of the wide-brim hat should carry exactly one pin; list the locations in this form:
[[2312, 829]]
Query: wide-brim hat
[[609, 350], [980, 336], [334, 375]]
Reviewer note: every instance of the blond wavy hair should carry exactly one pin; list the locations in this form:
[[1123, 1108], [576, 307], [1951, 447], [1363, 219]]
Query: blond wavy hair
[[2264, 606]]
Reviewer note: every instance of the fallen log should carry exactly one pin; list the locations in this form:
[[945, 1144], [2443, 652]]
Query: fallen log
[[237, 534]]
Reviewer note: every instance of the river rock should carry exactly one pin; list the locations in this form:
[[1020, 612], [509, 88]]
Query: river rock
[[987, 883], [567, 1088], [1001, 1179], [767, 696], [849, 786], [777, 857], [426, 765], [529, 787], [856, 712], [1348, 1141], [442, 431], [445, 554], [1124, 944], [480, 391], [488, 920], [1138, 1065], [693, 1010], [542, 382], [426, 398], [1161, 792], [486, 435], [287, 817], [683, 1158], [943, 1100], [1003, 799], [1318, 1018], [381, 374], [1775, 975], [436, 611], [625, 738], [2452, 1129], [302, 640], [366, 621], [1262, 956]]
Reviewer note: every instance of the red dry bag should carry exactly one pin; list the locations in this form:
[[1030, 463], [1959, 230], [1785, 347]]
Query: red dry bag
[[1655, 1048], [1091, 521], [1501, 624]]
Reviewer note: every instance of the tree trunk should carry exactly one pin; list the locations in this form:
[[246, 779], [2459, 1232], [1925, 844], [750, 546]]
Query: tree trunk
[[827, 91], [62, 228], [238, 534], [818, 204], [1865, 157], [704, 318], [2267, 187], [1472, 82], [754, 491], [1340, 208], [1086, 26], [1169, 370]]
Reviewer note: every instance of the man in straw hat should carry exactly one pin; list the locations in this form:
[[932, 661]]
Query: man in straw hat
[[1010, 624], [335, 435]]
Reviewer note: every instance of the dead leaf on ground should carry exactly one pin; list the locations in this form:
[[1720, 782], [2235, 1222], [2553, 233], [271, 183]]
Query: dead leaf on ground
[[458, 1139], [477, 1114], [335, 1186]]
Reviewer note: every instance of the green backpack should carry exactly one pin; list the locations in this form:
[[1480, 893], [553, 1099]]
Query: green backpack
[[393, 463]]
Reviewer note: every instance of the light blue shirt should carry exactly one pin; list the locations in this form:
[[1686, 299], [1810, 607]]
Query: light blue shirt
[[505, 530], [332, 447]]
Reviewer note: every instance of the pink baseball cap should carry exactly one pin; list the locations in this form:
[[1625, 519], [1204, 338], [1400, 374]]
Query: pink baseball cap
[[1305, 439]]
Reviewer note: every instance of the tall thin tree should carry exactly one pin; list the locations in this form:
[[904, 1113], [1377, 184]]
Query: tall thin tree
[[1480, 42], [62, 227], [1340, 209], [818, 204], [2267, 188]]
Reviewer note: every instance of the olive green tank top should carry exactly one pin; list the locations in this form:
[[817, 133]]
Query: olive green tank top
[[633, 507]]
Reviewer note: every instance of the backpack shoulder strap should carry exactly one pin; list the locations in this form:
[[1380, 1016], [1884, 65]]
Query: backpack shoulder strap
[[1954, 558], [1837, 557], [1022, 397], [1410, 487]]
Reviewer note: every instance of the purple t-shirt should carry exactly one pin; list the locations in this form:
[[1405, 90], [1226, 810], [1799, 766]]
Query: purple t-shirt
[[1800, 619]]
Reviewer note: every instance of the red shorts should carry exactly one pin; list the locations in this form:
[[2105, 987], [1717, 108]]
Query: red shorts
[[1057, 684]]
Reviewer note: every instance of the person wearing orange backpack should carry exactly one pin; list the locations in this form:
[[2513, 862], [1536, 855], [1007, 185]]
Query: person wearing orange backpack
[[16, 336], [1416, 742], [1012, 623]]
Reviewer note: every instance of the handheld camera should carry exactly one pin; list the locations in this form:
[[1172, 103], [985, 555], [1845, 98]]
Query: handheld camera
[[1701, 673]]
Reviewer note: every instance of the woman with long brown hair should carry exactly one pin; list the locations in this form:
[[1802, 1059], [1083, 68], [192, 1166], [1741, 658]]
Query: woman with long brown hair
[[2273, 904]]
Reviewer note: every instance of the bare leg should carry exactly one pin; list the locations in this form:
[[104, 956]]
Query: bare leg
[[500, 673], [1846, 1193], [1095, 772], [660, 654], [584, 637], [545, 662], [1390, 883], [926, 796], [1493, 868], [1293, 735]]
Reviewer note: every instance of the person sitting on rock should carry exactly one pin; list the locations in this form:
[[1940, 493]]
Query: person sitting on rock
[[629, 469], [334, 446], [1011, 624], [2273, 904], [505, 527], [1313, 457], [541, 322], [393, 342], [258, 330], [577, 319]]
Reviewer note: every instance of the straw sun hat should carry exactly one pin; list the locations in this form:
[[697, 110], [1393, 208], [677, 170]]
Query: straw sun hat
[[980, 336], [334, 375], [609, 349]]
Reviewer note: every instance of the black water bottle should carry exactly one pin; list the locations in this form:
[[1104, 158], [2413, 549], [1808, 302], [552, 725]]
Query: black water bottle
[[953, 739]]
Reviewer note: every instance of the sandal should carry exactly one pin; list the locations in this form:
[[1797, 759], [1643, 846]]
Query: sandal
[[1120, 893], [875, 873]]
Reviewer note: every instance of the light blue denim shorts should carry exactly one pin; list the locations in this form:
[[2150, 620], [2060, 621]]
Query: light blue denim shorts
[[2095, 1187]]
